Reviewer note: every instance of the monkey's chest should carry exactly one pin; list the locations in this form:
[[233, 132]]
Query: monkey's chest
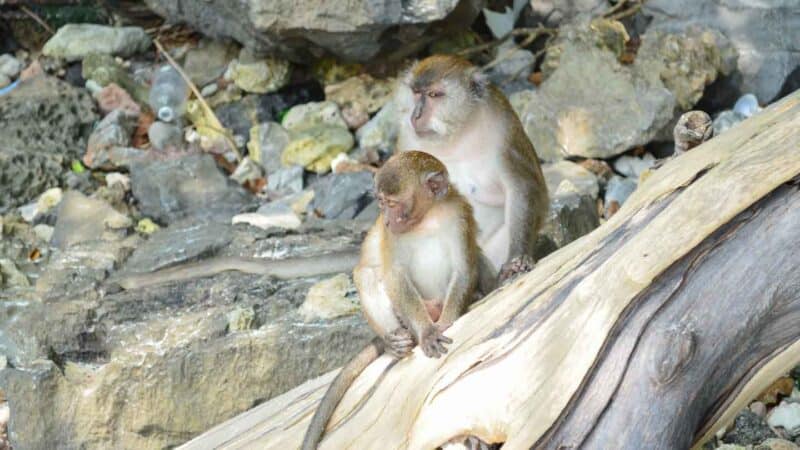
[[431, 268], [478, 182]]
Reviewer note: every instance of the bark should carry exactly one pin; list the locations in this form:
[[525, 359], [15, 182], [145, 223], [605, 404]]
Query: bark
[[653, 331]]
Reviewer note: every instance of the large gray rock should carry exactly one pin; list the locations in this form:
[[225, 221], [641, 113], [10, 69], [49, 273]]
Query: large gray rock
[[181, 241], [208, 60], [191, 186], [45, 124], [75, 41], [114, 130], [748, 429], [512, 68], [342, 195], [152, 368], [593, 106], [25, 175], [304, 30], [380, 133], [259, 75], [82, 219], [765, 33], [573, 205]]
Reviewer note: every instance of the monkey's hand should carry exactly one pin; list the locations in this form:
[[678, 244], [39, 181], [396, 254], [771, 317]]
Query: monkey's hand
[[515, 266], [432, 341], [399, 343]]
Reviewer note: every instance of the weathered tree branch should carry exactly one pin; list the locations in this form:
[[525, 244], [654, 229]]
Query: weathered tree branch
[[650, 332]]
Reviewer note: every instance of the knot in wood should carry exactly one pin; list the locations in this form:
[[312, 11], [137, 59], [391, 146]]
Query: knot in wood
[[672, 351]]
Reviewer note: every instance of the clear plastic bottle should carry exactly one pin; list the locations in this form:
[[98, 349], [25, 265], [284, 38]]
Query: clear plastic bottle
[[168, 94]]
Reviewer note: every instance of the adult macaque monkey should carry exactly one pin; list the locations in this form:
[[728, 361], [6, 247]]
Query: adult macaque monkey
[[447, 107], [419, 270]]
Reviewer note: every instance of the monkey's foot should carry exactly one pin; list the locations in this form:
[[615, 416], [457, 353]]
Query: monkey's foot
[[432, 341], [399, 343], [515, 266]]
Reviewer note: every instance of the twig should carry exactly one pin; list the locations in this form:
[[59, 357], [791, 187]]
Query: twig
[[37, 19], [215, 123], [530, 34], [614, 12]]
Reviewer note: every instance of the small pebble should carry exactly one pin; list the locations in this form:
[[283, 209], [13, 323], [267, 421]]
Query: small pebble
[[209, 90], [43, 232], [759, 409], [10, 66], [116, 177]]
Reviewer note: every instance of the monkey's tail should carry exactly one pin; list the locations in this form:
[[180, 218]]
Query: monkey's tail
[[341, 261], [336, 391]]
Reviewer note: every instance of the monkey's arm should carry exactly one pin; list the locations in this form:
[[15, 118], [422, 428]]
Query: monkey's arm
[[526, 207], [375, 303], [459, 292], [487, 276], [464, 280], [412, 312]]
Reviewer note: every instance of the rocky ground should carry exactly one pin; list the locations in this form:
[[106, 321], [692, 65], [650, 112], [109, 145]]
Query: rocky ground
[[276, 161]]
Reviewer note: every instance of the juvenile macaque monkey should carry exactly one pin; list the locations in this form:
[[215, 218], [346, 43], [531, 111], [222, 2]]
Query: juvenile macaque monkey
[[448, 108], [419, 270]]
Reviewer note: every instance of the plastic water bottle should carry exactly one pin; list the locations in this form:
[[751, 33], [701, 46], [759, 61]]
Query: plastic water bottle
[[168, 94]]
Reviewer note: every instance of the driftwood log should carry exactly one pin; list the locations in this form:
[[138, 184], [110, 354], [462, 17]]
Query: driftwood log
[[651, 332]]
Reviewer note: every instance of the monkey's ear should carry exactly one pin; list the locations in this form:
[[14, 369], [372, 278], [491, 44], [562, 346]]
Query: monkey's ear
[[437, 183], [479, 82]]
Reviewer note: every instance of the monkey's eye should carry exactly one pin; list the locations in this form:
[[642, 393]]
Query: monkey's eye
[[435, 94], [390, 203]]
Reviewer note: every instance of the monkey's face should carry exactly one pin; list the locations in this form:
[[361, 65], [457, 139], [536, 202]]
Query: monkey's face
[[400, 212], [437, 109], [427, 103], [407, 186]]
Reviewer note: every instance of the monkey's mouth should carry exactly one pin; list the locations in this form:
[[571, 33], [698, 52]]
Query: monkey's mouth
[[423, 130], [401, 226], [426, 132]]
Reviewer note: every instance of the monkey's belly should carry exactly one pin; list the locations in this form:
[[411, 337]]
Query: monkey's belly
[[434, 308], [431, 269]]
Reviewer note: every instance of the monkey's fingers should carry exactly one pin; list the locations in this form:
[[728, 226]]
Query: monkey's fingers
[[400, 350], [401, 342], [431, 351], [435, 348], [440, 349]]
